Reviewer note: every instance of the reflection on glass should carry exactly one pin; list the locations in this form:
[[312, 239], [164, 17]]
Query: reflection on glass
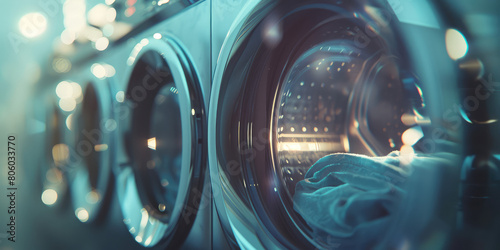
[[49, 197], [340, 96], [152, 143], [165, 146], [54, 166], [101, 43], [32, 24], [60, 154], [336, 93], [82, 214], [456, 44]]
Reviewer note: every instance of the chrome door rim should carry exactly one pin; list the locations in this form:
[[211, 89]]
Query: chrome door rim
[[88, 199], [141, 219], [227, 200]]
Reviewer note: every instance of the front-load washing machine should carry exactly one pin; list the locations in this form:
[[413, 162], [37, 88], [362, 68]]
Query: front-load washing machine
[[94, 130], [308, 98], [69, 168], [71, 181], [161, 164], [134, 114]]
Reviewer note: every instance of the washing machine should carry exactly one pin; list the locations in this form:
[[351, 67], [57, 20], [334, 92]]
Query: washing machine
[[310, 89], [75, 165], [68, 179], [61, 162], [124, 127], [162, 91], [259, 124]]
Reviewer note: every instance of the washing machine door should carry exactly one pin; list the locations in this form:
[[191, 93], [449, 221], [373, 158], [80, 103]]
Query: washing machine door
[[52, 176], [160, 174], [94, 126], [299, 80]]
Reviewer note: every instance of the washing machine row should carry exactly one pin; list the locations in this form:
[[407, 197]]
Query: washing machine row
[[126, 131], [205, 124]]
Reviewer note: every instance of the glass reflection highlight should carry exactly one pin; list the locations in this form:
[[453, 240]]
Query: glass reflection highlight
[[32, 24], [152, 143], [82, 214], [456, 44], [49, 197]]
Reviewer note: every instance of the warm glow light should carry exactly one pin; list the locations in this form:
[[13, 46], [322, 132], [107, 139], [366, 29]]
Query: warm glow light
[[61, 65], [60, 153], [345, 142], [111, 15], [82, 214], [412, 135], [69, 121], [152, 143], [161, 207], [101, 147], [102, 43], [32, 24], [98, 70], [54, 175], [406, 154], [97, 15], [162, 2], [110, 70], [101, 14], [64, 90], [92, 197], [74, 15], [68, 92], [90, 33], [68, 37], [76, 90], [49, 197], [456, 44], [408, 119], [67, 104]]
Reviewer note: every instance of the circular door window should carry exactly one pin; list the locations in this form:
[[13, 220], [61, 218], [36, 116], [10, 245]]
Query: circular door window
[[301, 81], [160, 184], [91, 177]]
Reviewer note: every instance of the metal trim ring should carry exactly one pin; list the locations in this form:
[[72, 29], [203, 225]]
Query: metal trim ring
[[143, 222]]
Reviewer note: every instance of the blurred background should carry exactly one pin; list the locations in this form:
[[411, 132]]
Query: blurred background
[[38, 42]]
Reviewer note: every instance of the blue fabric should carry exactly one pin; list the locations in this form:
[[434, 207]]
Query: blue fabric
[[353, 201], [349, 199]]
